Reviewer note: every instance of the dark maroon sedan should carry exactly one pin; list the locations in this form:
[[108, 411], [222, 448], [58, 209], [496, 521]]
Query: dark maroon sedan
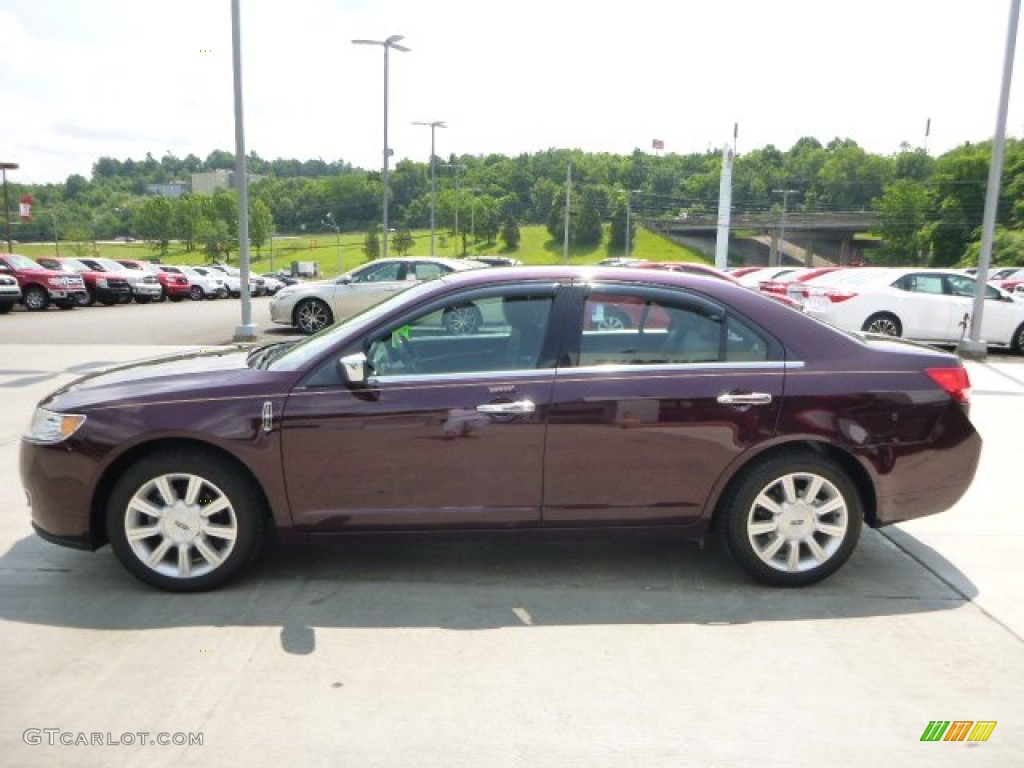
[[719, 409]]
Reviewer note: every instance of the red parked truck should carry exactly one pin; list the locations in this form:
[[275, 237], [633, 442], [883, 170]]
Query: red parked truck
[[41, 286]]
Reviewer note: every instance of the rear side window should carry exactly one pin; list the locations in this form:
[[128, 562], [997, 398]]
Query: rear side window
[[631, 329]]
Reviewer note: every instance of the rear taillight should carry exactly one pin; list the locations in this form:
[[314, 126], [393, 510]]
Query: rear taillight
[[954, 380], [837, 296], [772, 286]]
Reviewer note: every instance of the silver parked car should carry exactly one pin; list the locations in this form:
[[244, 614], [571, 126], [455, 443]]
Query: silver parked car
[[313, 306]]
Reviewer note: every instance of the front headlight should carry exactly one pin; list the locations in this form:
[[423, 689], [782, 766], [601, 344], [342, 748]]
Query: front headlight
[[48, 427]]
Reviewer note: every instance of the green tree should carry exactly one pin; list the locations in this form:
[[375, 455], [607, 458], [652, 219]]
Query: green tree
[[402, 241], [903, 210], [510, 234], [153, 220], [371, 244], [261, 222]]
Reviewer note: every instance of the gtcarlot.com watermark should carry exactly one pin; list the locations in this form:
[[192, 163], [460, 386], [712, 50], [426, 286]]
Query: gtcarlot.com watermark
[[55, 737]]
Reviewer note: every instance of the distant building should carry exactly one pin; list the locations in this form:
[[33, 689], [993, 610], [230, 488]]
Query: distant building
[[170, 189], [206, 183]]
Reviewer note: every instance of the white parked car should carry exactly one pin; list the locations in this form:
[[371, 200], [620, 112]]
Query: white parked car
[[144, 284], [200, 286], [233, 281], [312, 306], [930, 305]]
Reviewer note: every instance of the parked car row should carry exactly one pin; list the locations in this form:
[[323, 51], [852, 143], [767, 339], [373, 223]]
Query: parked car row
[[68, 282]]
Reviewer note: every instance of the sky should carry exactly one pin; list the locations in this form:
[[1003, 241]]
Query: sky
[[123, 78]]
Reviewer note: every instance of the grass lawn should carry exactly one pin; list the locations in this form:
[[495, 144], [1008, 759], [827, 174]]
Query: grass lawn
[[338, 254]]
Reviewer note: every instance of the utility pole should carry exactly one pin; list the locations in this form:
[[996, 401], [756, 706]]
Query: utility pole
[[782, 223], [565, 237]]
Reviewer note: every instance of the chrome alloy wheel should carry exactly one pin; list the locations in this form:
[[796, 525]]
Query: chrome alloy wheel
[[180, 525], [797, 522]]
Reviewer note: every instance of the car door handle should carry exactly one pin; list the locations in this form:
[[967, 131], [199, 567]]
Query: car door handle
[[519, 406], [745, 398]]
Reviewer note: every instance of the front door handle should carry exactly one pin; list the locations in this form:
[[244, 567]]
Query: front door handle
[[745, 398], [519, 406]]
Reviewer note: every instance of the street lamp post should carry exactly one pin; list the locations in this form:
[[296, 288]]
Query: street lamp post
[[455, 169], [5, 167], [782, 223], [330, 222], [387, 44], [433, 180]]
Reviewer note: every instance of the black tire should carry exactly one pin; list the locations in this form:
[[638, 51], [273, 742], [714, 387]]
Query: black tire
[[196, 293], [190, 549], [1017, 342], [65, 305], [87, 299], [312, 315], [176, 299], [144, 299], [774, 531], [462, 319], [5, 308], [614, 320], [884, 324], [36, 298]]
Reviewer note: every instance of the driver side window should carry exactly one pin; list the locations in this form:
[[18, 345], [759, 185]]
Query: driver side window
[[490, 333]]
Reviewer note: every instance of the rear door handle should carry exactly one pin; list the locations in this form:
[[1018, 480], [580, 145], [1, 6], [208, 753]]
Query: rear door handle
[[745, 398], [519, 406]]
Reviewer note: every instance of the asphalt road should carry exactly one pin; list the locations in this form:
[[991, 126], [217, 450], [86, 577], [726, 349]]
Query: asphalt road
[[504, 653], [185, 323]]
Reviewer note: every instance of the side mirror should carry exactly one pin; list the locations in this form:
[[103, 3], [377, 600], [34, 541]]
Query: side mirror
[[353, 369], [344, 280]]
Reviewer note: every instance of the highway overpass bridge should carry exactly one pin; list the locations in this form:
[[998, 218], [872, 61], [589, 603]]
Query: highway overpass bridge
[[810, 239]]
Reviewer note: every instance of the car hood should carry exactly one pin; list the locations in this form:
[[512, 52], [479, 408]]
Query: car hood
[[154, 379]]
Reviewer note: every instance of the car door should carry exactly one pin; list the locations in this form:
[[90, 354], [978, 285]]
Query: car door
[[925, 308], [369, 285], [1000, 315], [644, 420], [446, 429]]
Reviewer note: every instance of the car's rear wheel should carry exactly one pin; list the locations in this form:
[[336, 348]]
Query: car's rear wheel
[[185, 521], [792, 520], [884, 323], [36, 298], [463, 319], [312, 315]]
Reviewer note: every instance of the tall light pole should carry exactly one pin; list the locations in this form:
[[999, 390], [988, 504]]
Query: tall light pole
[[387, 44], [433, 180], [330, 222], [629, 211], [455, 169], [5, 167], [782, 223]]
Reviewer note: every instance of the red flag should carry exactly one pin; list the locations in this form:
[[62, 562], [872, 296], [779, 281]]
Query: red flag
[[658, 144], [25, 208]]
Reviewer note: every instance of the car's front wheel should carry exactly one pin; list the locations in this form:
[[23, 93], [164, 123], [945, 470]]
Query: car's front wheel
[[792, 520], [36, 298], [196, 293], [614, 320], [883, 323], [312, 315], [185, 521]]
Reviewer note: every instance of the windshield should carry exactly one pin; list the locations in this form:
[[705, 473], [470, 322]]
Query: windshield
[[110, 265], [22, 262], [313, 347]]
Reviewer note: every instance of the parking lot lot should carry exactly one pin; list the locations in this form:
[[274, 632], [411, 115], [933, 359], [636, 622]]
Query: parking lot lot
[[504, 652]]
